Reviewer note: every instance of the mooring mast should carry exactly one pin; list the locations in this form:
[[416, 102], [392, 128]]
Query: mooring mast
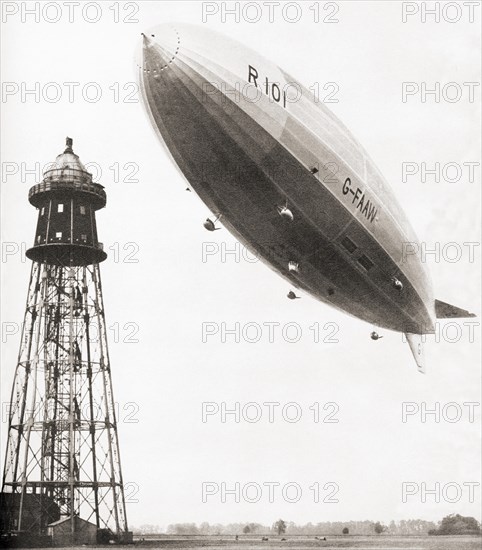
[[62, 460]]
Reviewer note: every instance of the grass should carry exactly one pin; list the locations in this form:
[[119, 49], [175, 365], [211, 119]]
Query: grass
[[382, 542]]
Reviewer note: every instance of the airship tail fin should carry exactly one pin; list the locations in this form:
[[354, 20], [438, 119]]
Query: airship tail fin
[[416, 346], [447, 311]]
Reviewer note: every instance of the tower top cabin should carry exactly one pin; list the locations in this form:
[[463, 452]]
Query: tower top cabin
[[67, 199]]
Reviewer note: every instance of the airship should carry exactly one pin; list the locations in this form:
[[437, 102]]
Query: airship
[[286, 177]]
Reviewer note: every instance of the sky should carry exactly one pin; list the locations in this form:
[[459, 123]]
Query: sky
[[160, 286]]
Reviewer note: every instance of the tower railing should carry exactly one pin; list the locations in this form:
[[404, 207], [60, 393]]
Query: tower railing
[[57, 183]]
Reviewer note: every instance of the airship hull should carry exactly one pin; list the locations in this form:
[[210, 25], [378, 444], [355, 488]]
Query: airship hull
[[248, 151]]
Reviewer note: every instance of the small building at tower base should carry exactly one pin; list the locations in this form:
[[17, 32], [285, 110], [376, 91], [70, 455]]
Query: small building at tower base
[[61, 533]]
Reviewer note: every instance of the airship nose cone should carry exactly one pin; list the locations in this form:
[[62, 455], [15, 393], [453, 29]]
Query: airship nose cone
[[158, 48]]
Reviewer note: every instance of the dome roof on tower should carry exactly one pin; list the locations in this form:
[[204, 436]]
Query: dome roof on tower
[[68, 159], [67, 165], [67, 176]]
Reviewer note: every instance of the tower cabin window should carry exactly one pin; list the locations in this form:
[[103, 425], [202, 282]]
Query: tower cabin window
[[42, 211], [82, 209], [60, 207], [365, 262], [83, 238], [58, 235]]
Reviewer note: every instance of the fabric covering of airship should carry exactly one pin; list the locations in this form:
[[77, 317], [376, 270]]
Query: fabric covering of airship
[[286, 177]]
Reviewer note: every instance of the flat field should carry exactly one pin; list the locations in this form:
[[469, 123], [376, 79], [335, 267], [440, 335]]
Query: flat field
[[309, 543]]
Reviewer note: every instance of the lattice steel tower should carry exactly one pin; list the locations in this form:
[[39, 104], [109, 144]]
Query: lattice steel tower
[[62, 458]]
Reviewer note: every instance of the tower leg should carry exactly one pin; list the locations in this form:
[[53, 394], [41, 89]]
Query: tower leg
[[62, 457]]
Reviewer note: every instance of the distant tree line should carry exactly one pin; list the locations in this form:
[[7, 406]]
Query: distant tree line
[[450, 525], [146, 529], [218, 529], [455, 524], [367, 527]]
